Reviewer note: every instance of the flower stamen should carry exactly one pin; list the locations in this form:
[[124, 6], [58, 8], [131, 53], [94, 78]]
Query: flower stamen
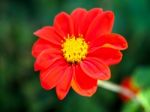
[[74, 49]]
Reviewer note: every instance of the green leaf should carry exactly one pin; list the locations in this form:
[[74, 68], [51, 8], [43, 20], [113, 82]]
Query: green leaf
[[131, 106], [144, 97]]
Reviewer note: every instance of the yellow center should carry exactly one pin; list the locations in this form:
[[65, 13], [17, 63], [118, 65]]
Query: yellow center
[[74, 49]]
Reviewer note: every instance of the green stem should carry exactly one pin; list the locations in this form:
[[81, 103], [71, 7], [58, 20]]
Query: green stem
[[124, 91], [118, 89]]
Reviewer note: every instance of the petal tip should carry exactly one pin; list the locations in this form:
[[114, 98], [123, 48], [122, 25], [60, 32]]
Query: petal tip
[[60, 96], [45, 86], [97, 9]]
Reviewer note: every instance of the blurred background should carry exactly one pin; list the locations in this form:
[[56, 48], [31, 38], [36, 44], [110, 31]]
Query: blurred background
[[20, 89]]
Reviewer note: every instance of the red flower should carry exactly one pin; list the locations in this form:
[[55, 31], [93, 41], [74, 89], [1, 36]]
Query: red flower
[[129, 84], [77, 50]]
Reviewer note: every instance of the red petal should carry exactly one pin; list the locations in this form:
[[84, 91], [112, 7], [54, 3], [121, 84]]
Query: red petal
[[102, 24], [83, 84], [39, 46], [48, 33], [95, 68], [108, 55], [50, 77], [88, 19], [63, 24], [46, 58], [78, 16], [63, 86], [115, 41]]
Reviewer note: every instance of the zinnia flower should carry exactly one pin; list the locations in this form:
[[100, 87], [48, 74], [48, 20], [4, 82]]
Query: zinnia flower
[[128, 83], [77, 51]]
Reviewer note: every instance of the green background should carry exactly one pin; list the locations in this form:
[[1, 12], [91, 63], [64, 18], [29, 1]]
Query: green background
[[20, 89]]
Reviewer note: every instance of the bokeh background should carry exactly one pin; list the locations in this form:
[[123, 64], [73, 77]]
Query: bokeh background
[[20, 89]]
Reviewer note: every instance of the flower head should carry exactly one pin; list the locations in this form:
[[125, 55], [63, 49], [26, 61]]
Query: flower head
[[77, 51], [128, 83]]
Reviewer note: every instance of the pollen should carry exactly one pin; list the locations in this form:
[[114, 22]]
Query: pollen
[[74, 49]]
